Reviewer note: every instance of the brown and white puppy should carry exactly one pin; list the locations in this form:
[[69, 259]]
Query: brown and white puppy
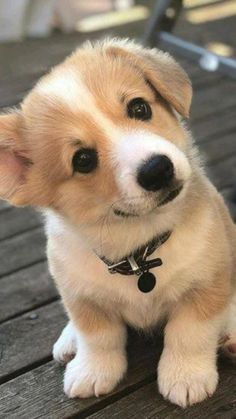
[[100, 146]]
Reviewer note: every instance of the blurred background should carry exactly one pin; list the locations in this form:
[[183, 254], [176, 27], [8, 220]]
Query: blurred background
[[201, 20], [36, 34]]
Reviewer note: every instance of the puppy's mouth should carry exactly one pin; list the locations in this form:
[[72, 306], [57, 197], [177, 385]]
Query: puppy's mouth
[[124, 214], [171, 195]]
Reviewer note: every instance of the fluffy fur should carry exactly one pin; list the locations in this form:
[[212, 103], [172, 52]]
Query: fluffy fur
[[82, 103]]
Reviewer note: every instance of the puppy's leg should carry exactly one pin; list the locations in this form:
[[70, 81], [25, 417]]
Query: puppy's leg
[[187, 371], [65, 347], [228, 341], [100, 362]]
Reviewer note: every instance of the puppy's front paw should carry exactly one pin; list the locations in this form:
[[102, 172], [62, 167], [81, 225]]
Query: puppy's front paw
[[65, 347], [185, 382], [94, 373]]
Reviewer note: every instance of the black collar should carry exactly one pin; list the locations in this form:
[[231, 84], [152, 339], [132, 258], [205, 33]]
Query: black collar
[[137, 264]]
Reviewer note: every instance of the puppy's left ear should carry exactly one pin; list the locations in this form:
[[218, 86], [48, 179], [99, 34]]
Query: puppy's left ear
[[13, 158], [166, 76]]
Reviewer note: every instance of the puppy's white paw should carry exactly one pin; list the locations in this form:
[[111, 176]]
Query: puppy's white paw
[[185, 382], [94, 373], [65, 347]]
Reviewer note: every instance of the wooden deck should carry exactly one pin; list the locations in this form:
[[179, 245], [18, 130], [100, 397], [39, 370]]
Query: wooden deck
[[31, 315]]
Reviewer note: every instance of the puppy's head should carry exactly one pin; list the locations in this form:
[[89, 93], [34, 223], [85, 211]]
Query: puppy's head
[[100, 134]]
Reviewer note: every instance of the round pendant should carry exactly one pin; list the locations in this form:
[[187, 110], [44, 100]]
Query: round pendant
[[146, 282]]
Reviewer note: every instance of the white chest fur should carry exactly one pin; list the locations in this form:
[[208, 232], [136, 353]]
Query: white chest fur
[[78, 269]]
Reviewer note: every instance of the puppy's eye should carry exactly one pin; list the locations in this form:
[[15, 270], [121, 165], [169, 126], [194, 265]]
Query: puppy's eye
[[138, 108], [85, 160]]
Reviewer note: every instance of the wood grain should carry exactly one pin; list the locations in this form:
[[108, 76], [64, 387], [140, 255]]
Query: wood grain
[[40, 390], [149, 404], [26, 290], [218, 149], [28, 339], [22, 250], [18, 220], [214, 126]]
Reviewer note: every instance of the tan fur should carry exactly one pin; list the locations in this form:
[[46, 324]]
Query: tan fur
[[208, 302], [166, 75], [89, 318], [83, 103]]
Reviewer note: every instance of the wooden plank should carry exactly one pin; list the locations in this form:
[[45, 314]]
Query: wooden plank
[[201, 78], [41, 391], [147, 403], [223, 173], [13, 91], [20, 251], [18, 220], [30, 59], [212, 99], [218, 124], [4, 205], [28, 339], [218, 149], [35, 56], [227, 195], [26, 290]]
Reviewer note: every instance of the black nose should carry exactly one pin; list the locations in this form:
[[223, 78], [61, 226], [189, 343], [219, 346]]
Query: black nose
[[155, 173]]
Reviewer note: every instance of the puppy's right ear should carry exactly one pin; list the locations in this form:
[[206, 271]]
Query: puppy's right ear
[[13, 157]]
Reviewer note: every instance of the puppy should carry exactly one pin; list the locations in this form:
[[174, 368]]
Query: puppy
[[100, 145]]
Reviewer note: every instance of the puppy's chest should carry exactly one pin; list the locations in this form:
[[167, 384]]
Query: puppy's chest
[[138, 309], [88, 277], [121, 293], [145, 310], [80, 273]]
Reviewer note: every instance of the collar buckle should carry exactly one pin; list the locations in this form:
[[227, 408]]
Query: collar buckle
[[134, 266], [137, 263], [112, 268]]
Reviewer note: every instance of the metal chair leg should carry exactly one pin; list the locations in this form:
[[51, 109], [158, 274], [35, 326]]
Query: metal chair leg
[[163, 18]]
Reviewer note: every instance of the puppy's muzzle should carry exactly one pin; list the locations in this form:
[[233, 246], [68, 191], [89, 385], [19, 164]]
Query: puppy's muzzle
[[156, 173]]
